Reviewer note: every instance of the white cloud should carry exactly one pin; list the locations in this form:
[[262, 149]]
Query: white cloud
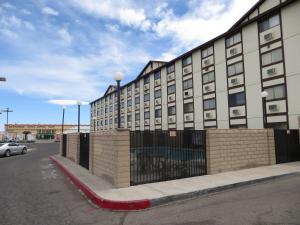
[[8, 5], [50, 11], [66, 102], [123, 11], [112, 27], [26, 12], [29, 25], [65, 36]]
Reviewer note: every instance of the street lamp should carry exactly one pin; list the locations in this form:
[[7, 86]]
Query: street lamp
[[79, 104], [264, 96], [3, 79], [63, 120], [118, 77]]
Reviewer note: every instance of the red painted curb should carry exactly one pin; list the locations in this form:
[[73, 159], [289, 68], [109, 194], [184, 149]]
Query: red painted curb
[[97, 200]]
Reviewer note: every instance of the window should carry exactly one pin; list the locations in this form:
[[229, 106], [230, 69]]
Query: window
[[171, 89], [129, 103], [137, 117], [157, 75], [272, 57], [105, 110], [147, 97], [105, 122], [208, 77], [137, 84], [276, 92], [110, 121], [269, 23], [207, 52], [137, 100], [147, 80], [236, 68], [110, 109], [122, 105], [237, 99], [157, 93], [129, 118], [233, 40], [129, 88], [188, 107], [171, 68], [187, 84], [187, 61], [157, 113], [209, 104], [171, 110], [147, 115]]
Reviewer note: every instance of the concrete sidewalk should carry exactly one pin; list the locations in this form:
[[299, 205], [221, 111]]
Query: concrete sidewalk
[[144, 196]]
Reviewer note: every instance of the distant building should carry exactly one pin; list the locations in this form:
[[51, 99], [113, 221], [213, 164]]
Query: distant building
[[36, 131]]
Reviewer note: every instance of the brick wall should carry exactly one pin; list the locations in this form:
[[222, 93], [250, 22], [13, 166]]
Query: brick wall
[[110, 156], [233, 149], [73, 147]]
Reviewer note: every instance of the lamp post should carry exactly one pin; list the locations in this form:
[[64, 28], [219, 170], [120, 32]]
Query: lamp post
[[3, 79], [63, 120], [264, 96], [79, 104], [118, 77]]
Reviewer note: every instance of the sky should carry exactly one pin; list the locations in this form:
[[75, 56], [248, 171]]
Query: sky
[[57, 50]]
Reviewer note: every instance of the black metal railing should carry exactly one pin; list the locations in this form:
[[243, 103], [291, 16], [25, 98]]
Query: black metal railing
[[64, 145], [166, 155]]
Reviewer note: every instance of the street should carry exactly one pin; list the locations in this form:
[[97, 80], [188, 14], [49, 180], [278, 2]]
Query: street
[[34, 191]]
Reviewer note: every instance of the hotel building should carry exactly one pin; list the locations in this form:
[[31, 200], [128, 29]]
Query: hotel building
[[219, 83]]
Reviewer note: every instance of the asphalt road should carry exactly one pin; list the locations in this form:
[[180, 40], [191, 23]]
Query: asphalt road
[[33, 191]]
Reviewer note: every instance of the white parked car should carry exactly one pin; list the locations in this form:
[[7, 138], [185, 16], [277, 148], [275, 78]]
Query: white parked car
[[12, 148]]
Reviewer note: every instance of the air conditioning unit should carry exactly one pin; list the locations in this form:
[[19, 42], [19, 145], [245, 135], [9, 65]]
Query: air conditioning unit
[[129, 109], [137, 123], [170, 77], [146, 105], [208, 115], [188, 117], [146, 87], [129, 94], [207, 88], [236, 112], [206, 62], [157, 102], [157, 82], [271, 71], [122, 110], [146, 122], [273, 108], [268, 37], [157, 121], [187, 94], [137, 90], [171, 120], [137, 107], [171, 98], [234, 81], [232, 51], [206, 69], [186, 70]]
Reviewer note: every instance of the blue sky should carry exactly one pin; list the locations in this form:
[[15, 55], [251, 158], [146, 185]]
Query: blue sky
[[70, 49]]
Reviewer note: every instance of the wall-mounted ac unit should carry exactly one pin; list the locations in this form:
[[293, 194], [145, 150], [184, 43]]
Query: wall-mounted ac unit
[[170, 77], [233, 51], [129, 109], [171, 120], [273, 107], [146, 87], [206, 62], [146, 122], [137, 123], [122, 110], [157, 121], [236, 112], [129, 94], [187, 94], [137, 90], [171, 98], [188, 118], [268, 37], [137, 107], [186, 70], [271, 71], [146, 105], [157, 82], [208, 115], [157, 102], [234, 81], [207, 88]]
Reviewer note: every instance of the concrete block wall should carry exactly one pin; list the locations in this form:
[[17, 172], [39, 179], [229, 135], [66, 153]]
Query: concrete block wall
[[73, 145], [110, 156], [233, 149]]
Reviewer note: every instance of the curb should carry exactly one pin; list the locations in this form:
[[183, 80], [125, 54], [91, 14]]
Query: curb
[[98, 200]]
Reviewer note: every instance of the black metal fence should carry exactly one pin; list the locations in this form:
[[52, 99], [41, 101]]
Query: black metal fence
[[166, 155], [64, 145], [84, 154], [287, 146]]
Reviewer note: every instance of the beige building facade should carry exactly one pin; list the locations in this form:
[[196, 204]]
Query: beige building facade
[[218, 84]]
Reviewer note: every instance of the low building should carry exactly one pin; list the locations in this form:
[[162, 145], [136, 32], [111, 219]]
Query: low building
[[219, 83], [35, 131]]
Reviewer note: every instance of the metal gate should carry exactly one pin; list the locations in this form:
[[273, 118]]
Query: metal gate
[[64, 145], [287, 145], [166, 155], [84, 150]]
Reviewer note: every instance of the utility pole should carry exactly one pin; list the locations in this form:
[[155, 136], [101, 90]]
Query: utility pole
[[7, 110]]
